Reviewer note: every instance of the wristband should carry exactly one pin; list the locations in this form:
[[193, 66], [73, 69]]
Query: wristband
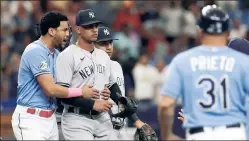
[[74, 92]]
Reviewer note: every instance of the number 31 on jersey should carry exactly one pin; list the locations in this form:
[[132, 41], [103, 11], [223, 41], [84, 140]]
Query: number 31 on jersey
[[210, 87]]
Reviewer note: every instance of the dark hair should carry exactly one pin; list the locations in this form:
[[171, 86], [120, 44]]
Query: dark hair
[[51, 20]]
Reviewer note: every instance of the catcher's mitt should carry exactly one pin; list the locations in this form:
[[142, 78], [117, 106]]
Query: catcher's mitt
[[128, 107], [145, 133]]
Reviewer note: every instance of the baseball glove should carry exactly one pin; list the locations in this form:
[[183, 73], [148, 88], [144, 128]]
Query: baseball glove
[[127, 107], [145, 133]]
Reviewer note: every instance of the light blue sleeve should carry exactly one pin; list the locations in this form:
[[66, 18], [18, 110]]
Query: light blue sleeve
[[246, 79], [37, 61], [172, 86]]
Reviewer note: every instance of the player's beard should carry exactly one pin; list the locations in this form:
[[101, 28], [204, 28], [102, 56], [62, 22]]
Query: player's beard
[[58, 43]]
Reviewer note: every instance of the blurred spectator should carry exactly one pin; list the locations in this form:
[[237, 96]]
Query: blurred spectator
[[180, 44], [128, 44], [228, 6], [14, 6], [20, 46], [4, 54], [239, 30], [172, 14], [158, 46], [244, 9], [104, 12], [5, 82], [73, 8], [8, 25], [127, 15], [14, 61], [36, 15], [145, 78], [161, 68], [23, 20], [190, 20], [150, 17], [60, 5]]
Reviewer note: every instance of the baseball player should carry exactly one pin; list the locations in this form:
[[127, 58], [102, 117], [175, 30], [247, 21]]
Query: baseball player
[[79, 65], [33, 118], [105, 42], [213, 83], [241, 45]]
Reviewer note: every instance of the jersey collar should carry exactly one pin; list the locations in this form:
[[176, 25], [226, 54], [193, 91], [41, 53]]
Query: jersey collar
[[45, 47]]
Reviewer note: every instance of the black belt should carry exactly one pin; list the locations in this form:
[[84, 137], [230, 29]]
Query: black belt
[[200, 129], [82, 111]]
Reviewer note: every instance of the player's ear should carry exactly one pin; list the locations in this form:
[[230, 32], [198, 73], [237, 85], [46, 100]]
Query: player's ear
[[51, 32], [78, 29]]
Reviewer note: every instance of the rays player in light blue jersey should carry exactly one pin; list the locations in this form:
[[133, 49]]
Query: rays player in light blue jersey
[[212, 81], [33, 118], [242, 45]]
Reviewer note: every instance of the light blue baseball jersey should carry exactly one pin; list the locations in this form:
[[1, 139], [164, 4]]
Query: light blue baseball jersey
[[213, 83], [247, 126], [36, 60]]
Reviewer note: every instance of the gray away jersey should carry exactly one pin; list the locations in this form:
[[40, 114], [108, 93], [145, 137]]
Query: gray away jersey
[[76, 67], [118, 77]]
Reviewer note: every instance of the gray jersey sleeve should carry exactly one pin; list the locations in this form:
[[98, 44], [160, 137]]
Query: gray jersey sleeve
[[64, 68], [112, 79]]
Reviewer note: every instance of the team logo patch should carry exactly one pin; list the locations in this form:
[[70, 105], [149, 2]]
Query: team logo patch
[[43, 65], [91, 15], [106, 32]]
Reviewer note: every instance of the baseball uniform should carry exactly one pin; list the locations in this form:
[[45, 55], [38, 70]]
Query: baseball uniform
[[213, 83], [33, 118], [76, 67], [242, 45], [105, 34], [118, 77]]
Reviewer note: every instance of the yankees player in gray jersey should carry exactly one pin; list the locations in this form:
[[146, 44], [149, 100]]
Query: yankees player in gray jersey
[[105, 43], [79, 65]]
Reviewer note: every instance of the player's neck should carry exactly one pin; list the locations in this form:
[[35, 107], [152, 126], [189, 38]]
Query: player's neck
[[88, 46], [48, 43], [216, 41]]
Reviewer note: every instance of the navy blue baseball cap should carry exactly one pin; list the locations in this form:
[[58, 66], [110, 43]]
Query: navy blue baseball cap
[[86, 17], [240, 44], [105, 34]]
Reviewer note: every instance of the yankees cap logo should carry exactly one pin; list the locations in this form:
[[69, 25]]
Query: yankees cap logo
[[106, 32], [91, 14]]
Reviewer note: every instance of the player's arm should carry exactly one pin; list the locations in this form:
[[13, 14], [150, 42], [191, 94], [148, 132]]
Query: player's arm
[[170, 92], [246, 80], [115, 92], [64, 74], [37, 61]]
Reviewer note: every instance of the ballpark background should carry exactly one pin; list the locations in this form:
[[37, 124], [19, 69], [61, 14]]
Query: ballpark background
[[150, 34]]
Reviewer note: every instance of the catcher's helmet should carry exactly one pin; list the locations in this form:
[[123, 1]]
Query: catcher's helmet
[[213, 20]]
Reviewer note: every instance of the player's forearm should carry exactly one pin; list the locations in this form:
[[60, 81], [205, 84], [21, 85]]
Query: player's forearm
[[115, 92], [135, 120], [165, 116], [53, 90], [57, 91]]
